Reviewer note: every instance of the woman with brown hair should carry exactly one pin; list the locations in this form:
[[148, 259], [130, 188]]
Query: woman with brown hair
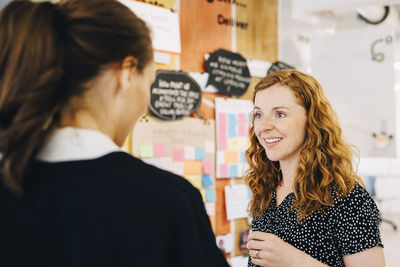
[[308, 204], [74, 79]]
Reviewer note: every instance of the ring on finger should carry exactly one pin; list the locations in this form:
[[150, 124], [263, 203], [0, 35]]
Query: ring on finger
[[256, 254]]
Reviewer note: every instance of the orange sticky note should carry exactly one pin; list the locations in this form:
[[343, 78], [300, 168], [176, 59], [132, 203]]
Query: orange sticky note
[[231, 157], [192, 167]]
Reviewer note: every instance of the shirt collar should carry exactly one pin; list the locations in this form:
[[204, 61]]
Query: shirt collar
[[71, 144]]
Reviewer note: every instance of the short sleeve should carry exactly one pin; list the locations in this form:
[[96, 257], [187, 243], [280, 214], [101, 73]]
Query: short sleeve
[[356, 222]]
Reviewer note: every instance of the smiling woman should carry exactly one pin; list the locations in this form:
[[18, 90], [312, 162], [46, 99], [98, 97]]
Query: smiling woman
[[306, 195]]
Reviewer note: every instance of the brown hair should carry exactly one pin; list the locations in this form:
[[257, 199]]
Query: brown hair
[[47, 53], [326, 160]]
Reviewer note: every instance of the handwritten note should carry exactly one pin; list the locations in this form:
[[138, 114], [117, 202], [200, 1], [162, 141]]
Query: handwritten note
[[177, 155], [159, 150], [236, 200], [193, 167], [146, 150]]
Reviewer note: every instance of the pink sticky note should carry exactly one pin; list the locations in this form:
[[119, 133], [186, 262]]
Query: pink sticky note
[[177, 155], [222, 118], [222, 143], [242, 118], [242, 130], [159, 150], [223, 170], [207, 168]]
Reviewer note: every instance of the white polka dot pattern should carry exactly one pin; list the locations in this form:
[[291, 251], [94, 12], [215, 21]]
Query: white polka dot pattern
[[349, 226]]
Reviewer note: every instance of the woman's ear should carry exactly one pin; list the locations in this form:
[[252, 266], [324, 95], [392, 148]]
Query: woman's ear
[[129, 64]]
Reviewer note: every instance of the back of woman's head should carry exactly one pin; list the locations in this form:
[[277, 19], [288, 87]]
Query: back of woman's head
[[47, 54], [326, 160]]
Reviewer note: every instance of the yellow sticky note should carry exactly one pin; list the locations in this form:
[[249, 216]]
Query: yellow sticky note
[[192, 167], [231, 157], [195, 180], [203, 194], [238, 143], [146, 150]]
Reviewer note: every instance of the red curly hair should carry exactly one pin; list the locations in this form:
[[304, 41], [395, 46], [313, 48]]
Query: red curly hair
[[326, 160]]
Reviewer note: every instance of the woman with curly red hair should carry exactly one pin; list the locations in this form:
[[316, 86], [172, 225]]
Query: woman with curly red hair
[[309, 207]]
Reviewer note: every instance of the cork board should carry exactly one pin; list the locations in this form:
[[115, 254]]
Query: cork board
[[259, 40], [200, 32]]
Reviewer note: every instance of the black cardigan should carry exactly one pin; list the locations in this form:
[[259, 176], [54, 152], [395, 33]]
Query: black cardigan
[[111, 211]]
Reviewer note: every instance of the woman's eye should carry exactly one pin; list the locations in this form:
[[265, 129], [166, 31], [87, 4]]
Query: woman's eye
[[257, 115], [280, 115]]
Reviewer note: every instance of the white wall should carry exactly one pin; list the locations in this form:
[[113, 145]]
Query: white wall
[[297, 33]]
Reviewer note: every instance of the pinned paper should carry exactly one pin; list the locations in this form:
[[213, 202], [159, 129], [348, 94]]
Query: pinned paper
[[177, 155], [207, 168], [242, 156], [231, 157], [210, 195], [146, 150], [210, 146], [233, 170], [243, 130], [207, 181], [232, 131], [153, 161], [222, 142], [195, 180], [232, 120], [242, 118], [178, 168], [192, 167], [223, 170], [210, 208], [238, 143], [166, 164], [236, 200], [190, 153], [200, 153], [203, 194], [159, 150]]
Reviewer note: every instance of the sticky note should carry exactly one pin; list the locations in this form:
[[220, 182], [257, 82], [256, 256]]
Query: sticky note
[[222, 118], [242, 156], [243, 130], [221, 156], [203, 194], [207, 181], [238, 143], [210, 208], [231, 157], [152, 161], [178, 168], [222, 143], [207, 167], [223, 170], [232, 131], [233, 170], [210, 195], [242, 118], [193, 167], [200, 153], [190, 152], [209, 146], [166, 164], [146, 150], [159, 150], [232, 120], [177, 155], [195, 180]]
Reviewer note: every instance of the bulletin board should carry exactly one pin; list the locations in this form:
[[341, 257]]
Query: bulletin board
[[201, 33], [185, 147], [260, 39]]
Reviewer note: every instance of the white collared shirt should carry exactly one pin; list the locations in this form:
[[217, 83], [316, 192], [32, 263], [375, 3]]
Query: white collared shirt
[[72, 144]]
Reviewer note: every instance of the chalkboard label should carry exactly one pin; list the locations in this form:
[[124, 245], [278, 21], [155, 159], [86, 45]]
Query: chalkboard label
[[279, 65], [228, 72], [174, 95]]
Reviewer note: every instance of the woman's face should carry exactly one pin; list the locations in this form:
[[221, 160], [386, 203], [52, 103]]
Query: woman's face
[[279, 123]]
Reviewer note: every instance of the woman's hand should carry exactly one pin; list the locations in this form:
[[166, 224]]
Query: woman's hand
[[266, 249]]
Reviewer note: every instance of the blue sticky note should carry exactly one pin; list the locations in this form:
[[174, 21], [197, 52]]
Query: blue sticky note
[[232, 120], [210, 195], [232, 132], [207, 181], [200, 154], [233, 170], [242, 156]]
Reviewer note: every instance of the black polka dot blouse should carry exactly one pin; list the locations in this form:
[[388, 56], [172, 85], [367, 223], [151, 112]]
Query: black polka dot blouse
[[349, 226]]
